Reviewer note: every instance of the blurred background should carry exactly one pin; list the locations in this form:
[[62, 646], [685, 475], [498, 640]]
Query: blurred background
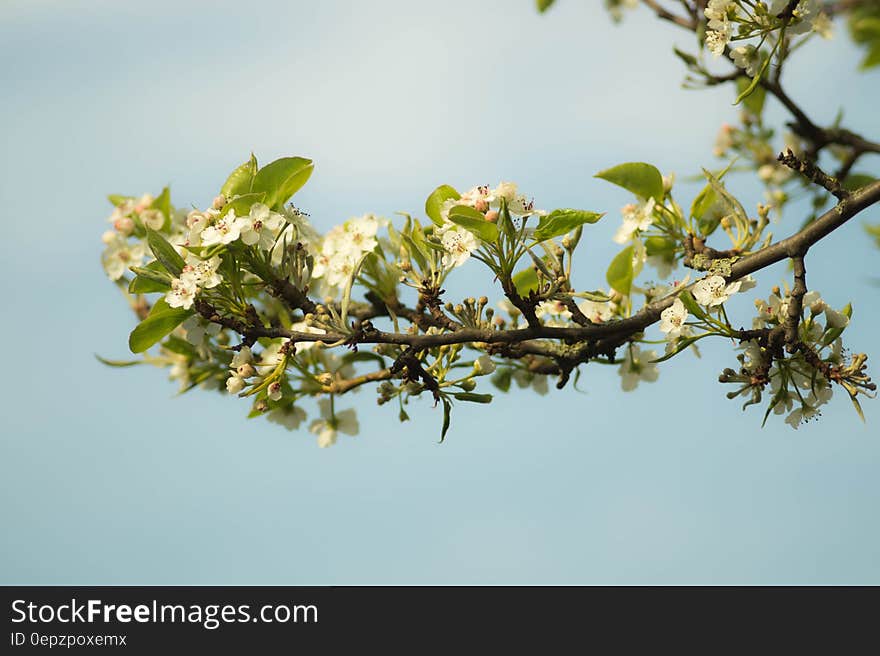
[[108, 477]]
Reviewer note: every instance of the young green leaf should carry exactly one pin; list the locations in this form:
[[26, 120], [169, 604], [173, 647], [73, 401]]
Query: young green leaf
[[474, 222], [240, 180], [142, 285], [161, 321], [242, 205], [473, 398], [682, 345], [117, 363], [165, 253], [745, 93], [525, 281], [118, 199], [281, 179], [434, 203], [447, 418], [642, 179], [559, 222], [544, 5], [501, 379], [620, 271], [163, 204]]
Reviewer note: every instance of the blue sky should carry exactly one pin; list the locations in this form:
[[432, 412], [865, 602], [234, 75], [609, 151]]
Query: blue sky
[[108, 477]]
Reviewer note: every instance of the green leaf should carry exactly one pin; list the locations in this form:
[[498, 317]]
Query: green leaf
[[447, 418], [855, 181], [161, 321], [165, 253], [474, 222], [754, 101], [544, 5], [180, 346], [240, 180], [525, 281], [117, 363], [473, 398], [142, 285], [281, 179], [163, 203], [434, 203], [559, 222], [620, 271], [682, 345], [641, 179], [242, 205], [501, 379], [872, 59], [118, 199], [733, 205], [745, 93], [689, 60], [691, 305], [416, 252], [707, 210], [659, 246]]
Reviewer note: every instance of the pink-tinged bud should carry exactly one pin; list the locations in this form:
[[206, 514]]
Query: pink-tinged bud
[[481, 205], [492, 216], [245, 371], [219, 202], [124, 225]]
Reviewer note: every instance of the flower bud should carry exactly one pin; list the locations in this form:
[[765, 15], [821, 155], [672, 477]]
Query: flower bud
[[468, 385], [108, 236], [325, 378], [245, 371], [492, 216], [481, 205], [234, 384], [125, 225], [219, 202]]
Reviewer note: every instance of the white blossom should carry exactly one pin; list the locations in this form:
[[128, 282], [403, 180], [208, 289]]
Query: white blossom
[[714, 290], [183, 292], [595, 311], [331, 424], [290, 417], [120, 254], [260, 226], [746, 57], [197, 329], [225, 231], [835, 319], [203, 272], [458, 243], [483, 365], [636, 218], [637, 366], [672, 319], [553, 313]]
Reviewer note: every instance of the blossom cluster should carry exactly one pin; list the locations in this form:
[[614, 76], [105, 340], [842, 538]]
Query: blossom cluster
[[753, 19], [343, 248], [458, 242]]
